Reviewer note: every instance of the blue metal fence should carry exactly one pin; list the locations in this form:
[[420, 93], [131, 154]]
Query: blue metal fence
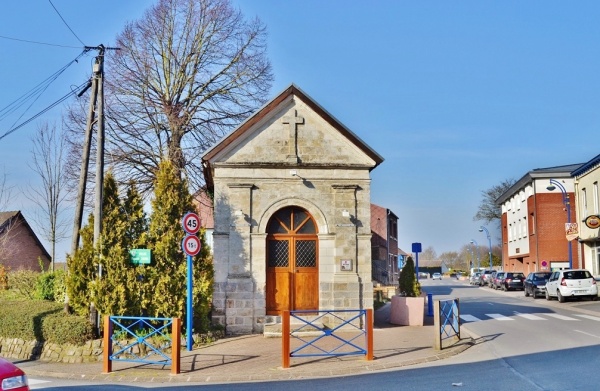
[[320, 333], [446, 322], [143, 340]]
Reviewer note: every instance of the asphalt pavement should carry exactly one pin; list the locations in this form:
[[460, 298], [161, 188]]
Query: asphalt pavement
[[257, 358]]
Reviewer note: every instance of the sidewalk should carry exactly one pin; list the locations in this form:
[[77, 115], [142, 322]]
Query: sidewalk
[[256, 358]]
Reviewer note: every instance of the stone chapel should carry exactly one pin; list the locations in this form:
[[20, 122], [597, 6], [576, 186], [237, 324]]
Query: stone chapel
[[292, 202]]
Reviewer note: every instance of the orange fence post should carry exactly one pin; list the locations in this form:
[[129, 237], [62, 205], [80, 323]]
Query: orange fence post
[[176, 347], [369, 329], [285, 339], [107, 340]]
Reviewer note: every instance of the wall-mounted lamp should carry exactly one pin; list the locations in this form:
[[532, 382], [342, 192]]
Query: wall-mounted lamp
[[238, 213], [345, 213], [293, 173]]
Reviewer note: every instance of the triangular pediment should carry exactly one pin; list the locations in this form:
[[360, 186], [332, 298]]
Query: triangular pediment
[[292, 129]]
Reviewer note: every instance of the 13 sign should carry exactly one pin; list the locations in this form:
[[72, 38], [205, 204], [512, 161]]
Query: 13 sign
[[191, 245], [191, 223]]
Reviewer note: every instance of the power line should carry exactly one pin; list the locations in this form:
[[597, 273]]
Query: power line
[[65, 22], [39, 43], [67, 96], [35, 92]]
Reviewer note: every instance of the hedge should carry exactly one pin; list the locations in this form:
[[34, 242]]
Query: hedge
[[42, 321]]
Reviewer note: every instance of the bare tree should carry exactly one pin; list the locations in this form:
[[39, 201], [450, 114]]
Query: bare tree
[[488, 210], [48, 162], [5, 192], [186, 73], [428, 254]]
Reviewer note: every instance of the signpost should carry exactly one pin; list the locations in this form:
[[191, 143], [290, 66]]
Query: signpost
[[191, 246], [140, 256]]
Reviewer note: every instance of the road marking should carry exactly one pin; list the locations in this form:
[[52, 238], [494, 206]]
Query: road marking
[[530, 316], [33, 382], [559, 316], [469, 318], [583, 332], [499, 317], [591, 317]]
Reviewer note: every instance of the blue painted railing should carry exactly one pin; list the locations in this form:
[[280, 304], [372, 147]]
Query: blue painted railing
[[446, 321], [142, 340], [316, 339]]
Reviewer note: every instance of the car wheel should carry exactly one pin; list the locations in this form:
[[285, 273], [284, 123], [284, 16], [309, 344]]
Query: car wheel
[[594, 298], [547, 295], [526, 293], [561, 298]]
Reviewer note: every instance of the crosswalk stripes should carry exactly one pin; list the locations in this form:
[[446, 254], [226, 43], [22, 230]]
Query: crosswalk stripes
[[530, 316], [561, 317], [499, 317], [591, 317], [535, 317]]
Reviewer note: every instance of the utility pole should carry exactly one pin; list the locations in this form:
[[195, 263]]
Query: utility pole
[[95, 116]]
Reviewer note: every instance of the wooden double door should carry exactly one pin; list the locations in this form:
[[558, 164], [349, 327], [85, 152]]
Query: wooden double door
[[292, 262]]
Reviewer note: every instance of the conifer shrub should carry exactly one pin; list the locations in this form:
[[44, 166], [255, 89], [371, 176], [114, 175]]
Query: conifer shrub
[[409, 286]]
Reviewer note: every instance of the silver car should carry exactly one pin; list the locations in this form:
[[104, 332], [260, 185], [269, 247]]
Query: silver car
[[571, 283]]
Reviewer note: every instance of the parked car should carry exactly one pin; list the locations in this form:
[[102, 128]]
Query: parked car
[[490, 281], [497, 280], [535, 284], [485, 277], [571, 283], [437, 276], [512, 280], [11, 377], [474, 279]]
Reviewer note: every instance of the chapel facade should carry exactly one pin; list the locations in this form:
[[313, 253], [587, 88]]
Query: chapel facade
[[292, 205]]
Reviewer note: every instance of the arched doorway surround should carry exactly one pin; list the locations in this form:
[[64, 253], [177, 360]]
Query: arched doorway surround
[[292, 261]]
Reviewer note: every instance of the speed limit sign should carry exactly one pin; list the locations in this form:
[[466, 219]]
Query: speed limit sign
[[191, 245], [191, 223]]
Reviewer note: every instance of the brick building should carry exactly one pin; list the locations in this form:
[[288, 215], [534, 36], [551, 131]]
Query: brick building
[[292, 212], [587, 200], [533, 221], [20, 248], [384, 245]]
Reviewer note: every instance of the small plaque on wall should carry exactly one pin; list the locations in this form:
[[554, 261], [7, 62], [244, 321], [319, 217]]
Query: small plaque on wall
[[346, 265]]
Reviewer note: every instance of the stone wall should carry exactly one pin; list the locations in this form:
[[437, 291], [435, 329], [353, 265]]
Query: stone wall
[[91, 351]]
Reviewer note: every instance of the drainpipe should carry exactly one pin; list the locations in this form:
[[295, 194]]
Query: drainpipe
[[535, 220]]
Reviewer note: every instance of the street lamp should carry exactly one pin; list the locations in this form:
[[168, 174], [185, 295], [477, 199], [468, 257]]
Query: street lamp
[[477, 253], [472, 256], [565, 197], [487, 233]]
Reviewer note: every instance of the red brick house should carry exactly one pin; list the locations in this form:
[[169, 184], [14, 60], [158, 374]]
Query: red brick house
[[205, 210], [533, 221], [20, 248], [384, 245]]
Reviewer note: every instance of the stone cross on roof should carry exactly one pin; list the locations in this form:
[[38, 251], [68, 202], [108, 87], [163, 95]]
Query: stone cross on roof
[[293, 135]]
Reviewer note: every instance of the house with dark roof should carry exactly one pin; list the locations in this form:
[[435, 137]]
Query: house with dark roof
[[535, 213], [20, 247], [587, 206]]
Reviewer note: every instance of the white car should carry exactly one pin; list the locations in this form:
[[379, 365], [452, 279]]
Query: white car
[[437, 276], [563, 284]]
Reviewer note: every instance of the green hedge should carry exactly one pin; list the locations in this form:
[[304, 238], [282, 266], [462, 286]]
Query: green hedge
[[42, 321]]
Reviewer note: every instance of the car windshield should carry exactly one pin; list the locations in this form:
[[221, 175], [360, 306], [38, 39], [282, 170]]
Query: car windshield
[[577, 275], [516, 275], [541, 277]]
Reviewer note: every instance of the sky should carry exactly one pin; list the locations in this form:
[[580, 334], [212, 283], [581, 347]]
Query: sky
[[456, 96]]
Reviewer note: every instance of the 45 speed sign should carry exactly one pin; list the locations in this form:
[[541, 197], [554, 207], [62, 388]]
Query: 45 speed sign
[[191, 245], [191, 223]]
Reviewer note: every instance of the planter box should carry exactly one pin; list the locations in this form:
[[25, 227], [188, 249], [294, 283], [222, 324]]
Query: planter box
[[407, 311]]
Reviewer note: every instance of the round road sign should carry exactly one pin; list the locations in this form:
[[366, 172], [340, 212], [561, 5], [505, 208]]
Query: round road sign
[[191, 245], [191, 223]]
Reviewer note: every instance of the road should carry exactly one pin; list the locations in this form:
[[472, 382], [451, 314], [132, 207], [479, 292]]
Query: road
[[521, 344]]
